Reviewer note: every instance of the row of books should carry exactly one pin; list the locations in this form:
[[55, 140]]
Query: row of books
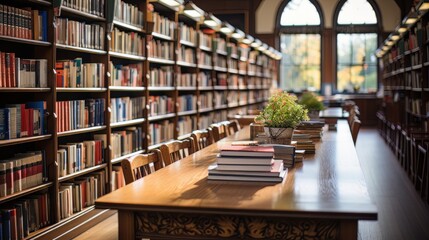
[[159, 132], [23, 171], [74, 157], [128, 13], [23, 23], [220, 61], [80, 34], [205, 40], [22, 120], [245, 161], [25, 216], [186, 79], [74, 73], [186, 124], [187, 33], [126, 108], [220, 99], [186, 54], [206, 100], [414, 105], [219, 44], [163, 25], [22, 73], [186, 103], [161, 49], [205, 59], [221, 79], [312, 128], [204, 121], [95, 7], [232, 64], [160, 105], [81, 193], [413, 79], [78, 114], [126, 141], [116, 178], [126, 42], [205, 79], [130, 75], [161, 77]]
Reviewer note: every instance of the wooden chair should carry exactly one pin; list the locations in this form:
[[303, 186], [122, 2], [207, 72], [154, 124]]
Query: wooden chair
[[355, 129], [416, 165], [233, 127], [202, 138], [421, 174], [138, 166], [175, 150], [220, 130]]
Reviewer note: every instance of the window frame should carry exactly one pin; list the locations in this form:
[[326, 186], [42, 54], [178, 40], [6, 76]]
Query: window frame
[[355, 28], [301, 29]]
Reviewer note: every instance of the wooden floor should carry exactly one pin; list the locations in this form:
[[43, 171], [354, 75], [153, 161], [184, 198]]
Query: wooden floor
[[401, 212]]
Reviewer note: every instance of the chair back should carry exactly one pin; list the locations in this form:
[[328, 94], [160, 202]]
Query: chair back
[[175, 150], [233, 127], [220, 130], [202, 138], [139, 165]]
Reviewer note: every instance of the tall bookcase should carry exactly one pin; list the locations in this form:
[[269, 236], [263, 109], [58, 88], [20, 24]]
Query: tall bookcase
[[405, 65], [117, 78]]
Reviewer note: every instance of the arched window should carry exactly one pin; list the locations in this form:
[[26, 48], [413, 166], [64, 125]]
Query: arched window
[[299, 26], [357, 24]]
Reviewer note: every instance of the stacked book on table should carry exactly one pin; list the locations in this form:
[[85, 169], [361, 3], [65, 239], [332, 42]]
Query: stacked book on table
[[252, 163], [312, 128], [303, 142]]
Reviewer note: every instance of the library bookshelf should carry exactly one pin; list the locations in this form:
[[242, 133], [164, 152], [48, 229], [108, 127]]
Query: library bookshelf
[[85, 86]]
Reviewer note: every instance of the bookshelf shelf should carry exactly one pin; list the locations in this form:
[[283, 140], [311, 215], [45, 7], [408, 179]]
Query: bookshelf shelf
[[80, 49], [128, 26], [162, 36], [192, 112], [126, 56], [160, 61], [234, 56], [223, 53], [205, 49], [119, 159], [82, 172], [220, 69], [187, 43], [24, 90], [80, 131], [161, 117], [205, 67], [186, 64], [25, 192], [204, 110], [180, 88], [82, 14], [41, 2], [161, 88], [220, 88], [25, 41], [15, 141], [241, 72], [127, 123], [207, 88], [223, 106], [81, 90], [126, 89], [233, 71]]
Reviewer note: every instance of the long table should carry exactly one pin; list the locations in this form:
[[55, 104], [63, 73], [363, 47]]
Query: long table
[[322, 198]]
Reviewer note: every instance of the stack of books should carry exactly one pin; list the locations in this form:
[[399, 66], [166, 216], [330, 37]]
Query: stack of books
[[248, 163], [312, 128], [303, 142]]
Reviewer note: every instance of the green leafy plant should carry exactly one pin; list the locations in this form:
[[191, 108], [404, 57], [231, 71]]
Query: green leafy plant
[[310, 102], [282, 111]]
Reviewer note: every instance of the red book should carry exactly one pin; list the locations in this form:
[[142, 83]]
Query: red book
[[246, 151], [30, 120], [7, 69], [59, 67], [24, 121], [12, 70], [67, 115], [13, 224], [9, 178]]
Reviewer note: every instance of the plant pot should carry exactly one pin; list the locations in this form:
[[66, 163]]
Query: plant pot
[[313, 114], [279, 135]]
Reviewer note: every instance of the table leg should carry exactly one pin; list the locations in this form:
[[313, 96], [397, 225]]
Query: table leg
[[126, 225], [348, 229]]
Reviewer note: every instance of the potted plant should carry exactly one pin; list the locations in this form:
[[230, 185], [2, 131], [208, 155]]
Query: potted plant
[[311, 102], [281, 116]]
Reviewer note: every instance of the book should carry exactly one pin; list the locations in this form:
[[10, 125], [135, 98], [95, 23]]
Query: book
[[244, 160], [246, 151], [276, 175], [241, 167], [277, 168]]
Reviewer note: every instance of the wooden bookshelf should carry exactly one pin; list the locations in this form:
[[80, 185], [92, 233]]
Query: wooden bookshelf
[[136, 74]]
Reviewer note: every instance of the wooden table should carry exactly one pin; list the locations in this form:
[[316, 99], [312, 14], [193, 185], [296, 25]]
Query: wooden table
[[321, 198], [331, 116]]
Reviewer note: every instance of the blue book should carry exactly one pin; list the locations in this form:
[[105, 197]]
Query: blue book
[[4, 123], [44, 15], [6, 224]]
